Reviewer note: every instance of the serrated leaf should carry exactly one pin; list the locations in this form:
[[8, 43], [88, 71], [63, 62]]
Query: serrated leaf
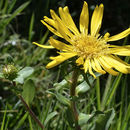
[[49, 117], [28, 91]]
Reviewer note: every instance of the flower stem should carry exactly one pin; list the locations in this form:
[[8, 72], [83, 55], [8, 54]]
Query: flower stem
[[31, 112], [98, 93], [73, 103], [28, 109]]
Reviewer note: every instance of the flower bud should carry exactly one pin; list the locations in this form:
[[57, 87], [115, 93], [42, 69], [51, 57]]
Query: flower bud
[[10, 72]]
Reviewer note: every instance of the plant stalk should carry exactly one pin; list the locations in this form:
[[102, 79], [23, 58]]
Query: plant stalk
[[31, 112], [73, 103]]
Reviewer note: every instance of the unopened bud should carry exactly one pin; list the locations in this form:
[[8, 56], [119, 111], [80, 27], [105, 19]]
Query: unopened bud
[[10, 72]]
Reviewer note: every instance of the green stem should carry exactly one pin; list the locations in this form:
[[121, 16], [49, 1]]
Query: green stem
[[73, 103], [98, 93]]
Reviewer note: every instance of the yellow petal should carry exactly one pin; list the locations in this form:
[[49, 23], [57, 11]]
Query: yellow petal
[[119, 36], [43, 46], [50, 21], [84, 19], [107, 67], [80, 61], [68, 54], [106, 36], [51, 29], [96, 20], [115, 63], [61, 28], [90, 70], [86, 65], [120, 50], [97, 69], [52, 64], [59, 59], [60, 45], [67, 19]]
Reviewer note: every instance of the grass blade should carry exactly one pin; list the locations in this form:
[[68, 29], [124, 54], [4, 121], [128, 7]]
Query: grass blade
[[3, 122], [31, 27], [114, 87]]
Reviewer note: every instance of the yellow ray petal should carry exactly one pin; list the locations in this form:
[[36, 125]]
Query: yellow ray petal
[[50, 21], [96, 20], [67, 19], [106, 36], [116, 64], [43, 46], [90, 70], [117, 58], [60, 45], [80, 61], [97, 69], [84, 19], [119, 36], [120, 50], [51, 29], [61, 28], [68, 54], [74, 28], [107, 67], [59, 59], [86, 65]]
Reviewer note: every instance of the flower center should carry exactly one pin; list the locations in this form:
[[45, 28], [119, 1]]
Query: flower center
[[89, 46]]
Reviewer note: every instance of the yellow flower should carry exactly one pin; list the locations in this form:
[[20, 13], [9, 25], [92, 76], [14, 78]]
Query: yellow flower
[[91, 49]]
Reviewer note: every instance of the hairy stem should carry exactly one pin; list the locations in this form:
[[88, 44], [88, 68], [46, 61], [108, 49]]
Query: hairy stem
[[73, 103]]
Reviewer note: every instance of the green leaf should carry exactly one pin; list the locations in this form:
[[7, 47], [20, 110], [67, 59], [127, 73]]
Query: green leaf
[[83, 118], [31, 27], [21, 121], [3, 122], [60, 85], [69, 117], [12, 3], [126, 119], [49, 117], [82, 88], [24, 73], [113, 88], [1, 75], [103, 121], [62, 99], [5, 22], [28, 91]]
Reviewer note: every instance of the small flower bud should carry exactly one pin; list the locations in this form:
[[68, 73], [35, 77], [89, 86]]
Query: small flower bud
[[10, 72]]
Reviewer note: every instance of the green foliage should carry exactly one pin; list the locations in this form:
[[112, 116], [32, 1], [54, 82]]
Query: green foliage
[[23, 74], [28, 91], [102, 103]]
